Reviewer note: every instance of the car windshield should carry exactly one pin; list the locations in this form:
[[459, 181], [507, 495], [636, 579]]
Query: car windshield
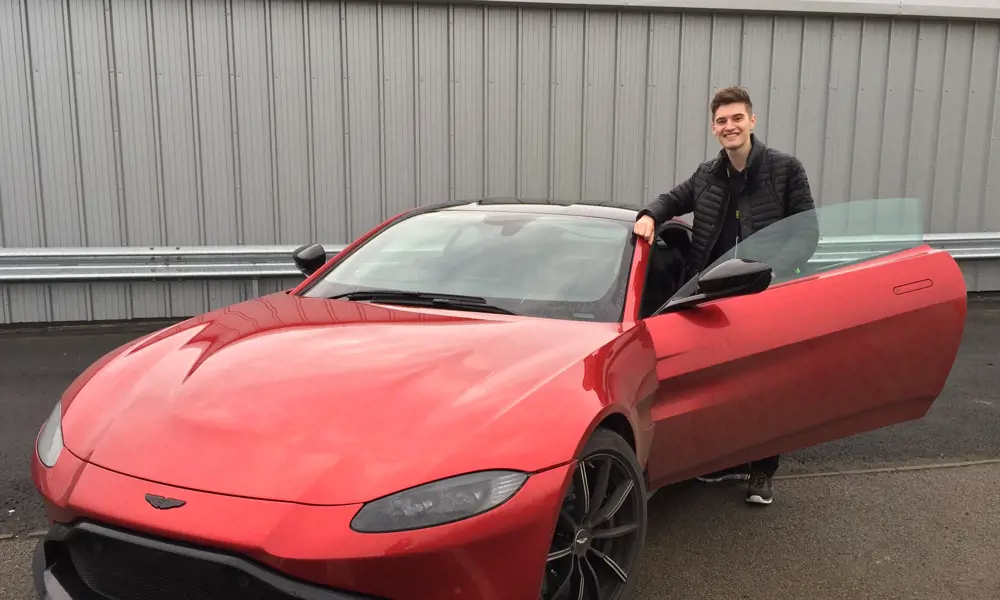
[[829, 237], [552, 266]]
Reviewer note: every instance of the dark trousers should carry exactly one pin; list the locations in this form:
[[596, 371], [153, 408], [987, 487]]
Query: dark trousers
[[767, 465]]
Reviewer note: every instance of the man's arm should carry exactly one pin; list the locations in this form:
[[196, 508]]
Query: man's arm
[[678, 201], [799, 204]]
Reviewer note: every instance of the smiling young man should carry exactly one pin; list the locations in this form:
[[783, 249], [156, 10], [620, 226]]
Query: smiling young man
[[747, 187]]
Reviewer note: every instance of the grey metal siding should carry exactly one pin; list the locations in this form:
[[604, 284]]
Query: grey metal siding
[[194, 122]]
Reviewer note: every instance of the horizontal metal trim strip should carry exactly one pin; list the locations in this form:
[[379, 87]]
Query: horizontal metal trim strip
[[958, 9], [51, 265]]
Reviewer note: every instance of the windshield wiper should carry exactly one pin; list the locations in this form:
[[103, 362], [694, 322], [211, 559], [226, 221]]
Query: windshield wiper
[[455, 301]]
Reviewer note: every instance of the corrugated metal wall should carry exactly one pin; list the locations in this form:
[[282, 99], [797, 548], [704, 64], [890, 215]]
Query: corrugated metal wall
[[189, 122]]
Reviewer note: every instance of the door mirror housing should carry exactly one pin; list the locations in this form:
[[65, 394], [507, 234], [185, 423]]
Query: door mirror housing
[[309, 258], [734, 277]]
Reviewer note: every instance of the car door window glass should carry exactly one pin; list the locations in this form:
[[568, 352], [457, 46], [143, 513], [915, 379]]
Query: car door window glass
[[829, 237]]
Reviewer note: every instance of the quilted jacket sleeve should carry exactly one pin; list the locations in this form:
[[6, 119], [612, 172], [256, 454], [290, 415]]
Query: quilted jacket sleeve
[[799, 205], [678, 201]]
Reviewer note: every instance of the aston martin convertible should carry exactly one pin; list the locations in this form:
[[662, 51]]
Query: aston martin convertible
[[475, 401]]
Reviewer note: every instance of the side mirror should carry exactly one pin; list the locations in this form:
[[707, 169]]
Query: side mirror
[[309, 258], [735, 277]]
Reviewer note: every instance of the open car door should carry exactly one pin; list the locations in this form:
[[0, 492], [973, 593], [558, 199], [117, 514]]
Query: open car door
[[796, 343]]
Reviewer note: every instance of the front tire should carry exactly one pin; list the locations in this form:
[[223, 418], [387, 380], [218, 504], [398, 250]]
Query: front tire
[[601, 528]]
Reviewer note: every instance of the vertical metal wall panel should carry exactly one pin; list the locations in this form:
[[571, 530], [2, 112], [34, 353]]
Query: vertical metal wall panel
[[398, 89], [55, 122], [254, 120], [70, 302], [54, 148], [5, 316], [861, 164], [873, 57], [600, 52], [30, 303], [150, 300], [811, 131], [214, 132], [433, 115], [927, 111], [979, 128], [632, 68], [946, 183], [567, 127], [268, 287], [363, 85], [134, 108], [19, 192], [141, 155], [781, 119], [694, 92], [273, 286], [111, 301], [841, 110], [92, 81], [502, 100], [191, 122], [329, 135], [225, 293], [981, 276], [756, 52], [9, 113], [291, 122], [189, 297], [897, 115], [534, 96], [468, 133], [988, 199], [664, 103], [175, 115], [987, 278]]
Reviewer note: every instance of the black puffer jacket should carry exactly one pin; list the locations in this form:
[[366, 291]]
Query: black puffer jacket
[[776, 187]]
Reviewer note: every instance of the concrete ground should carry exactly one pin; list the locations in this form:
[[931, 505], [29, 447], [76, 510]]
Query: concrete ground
[[908, 512], [913, 535]]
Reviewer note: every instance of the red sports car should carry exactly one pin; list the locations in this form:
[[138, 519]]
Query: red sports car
[[473, 401]]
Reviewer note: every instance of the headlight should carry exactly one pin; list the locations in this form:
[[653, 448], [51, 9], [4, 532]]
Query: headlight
[[440, 502], [50, 440]]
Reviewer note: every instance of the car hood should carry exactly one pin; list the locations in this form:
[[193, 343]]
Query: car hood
[[324, 401]]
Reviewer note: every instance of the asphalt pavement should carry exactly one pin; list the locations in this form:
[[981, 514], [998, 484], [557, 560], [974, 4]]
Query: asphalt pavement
[[908, 511]]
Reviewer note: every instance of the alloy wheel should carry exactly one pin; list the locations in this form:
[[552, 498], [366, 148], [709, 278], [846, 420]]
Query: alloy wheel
[[599, 532]]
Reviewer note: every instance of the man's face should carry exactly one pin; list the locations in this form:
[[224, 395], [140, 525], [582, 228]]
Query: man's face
[[732, 125]]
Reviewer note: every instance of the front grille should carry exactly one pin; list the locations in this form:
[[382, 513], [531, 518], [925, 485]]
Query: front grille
[[124, 571], [122, 566]]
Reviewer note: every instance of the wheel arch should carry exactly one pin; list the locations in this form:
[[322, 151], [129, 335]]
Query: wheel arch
[[620, 424]]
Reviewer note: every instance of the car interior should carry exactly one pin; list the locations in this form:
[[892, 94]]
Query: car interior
[[668, 270]]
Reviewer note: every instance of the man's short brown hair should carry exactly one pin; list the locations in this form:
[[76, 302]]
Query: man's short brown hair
[[731, 95]]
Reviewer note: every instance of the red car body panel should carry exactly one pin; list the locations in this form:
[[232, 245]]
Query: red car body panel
[[337, 387], [806, 362], [277, 418], [497, 555]]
